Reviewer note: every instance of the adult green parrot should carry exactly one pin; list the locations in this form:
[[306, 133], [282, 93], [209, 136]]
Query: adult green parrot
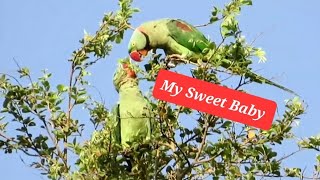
[[132, 116], [174, 36], [178, 38]]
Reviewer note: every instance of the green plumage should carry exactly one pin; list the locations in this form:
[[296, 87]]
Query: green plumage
[[177, 37], [132, 115], [187, 36], [171, 35]]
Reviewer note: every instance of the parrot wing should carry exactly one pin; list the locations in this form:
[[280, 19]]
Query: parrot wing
[[187, 36], [115, 124]]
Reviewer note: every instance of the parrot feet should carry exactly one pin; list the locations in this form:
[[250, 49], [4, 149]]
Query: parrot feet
[[171, 64], [173, 60], [175, 57]]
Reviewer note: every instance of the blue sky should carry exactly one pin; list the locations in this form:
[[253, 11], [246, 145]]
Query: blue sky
[[43, 34]]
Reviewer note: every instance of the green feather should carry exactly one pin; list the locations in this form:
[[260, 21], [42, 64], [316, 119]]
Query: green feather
[[115, 122], [137, 41], [259, 79], [134, 112], [226, 63], [187, 35]]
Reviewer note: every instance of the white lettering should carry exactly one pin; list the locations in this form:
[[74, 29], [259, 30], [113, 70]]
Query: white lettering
[[234, 106], [260, 115], [209, 98], [190, 92], [201, 96], [169, 88]]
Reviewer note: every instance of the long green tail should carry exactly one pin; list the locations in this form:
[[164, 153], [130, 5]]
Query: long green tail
[[257, 78], [225, 63]]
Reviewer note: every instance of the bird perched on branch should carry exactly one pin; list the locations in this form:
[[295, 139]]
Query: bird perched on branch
[[182, 41], [132, 117]]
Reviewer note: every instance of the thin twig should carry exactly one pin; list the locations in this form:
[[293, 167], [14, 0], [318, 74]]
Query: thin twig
[[203, 25], [14, 78], [254, 40], [20, 69], [129, 26], [204, 136], [172, 140], [7, 138], [70, 106], [280, 176], [208, 23], [291, 154], [239, 85]]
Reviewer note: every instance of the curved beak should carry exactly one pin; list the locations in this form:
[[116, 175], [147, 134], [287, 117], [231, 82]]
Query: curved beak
[[138, 55]]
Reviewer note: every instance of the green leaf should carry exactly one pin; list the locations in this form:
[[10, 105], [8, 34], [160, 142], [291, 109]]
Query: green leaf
[[247, 2], [213, 19], [24, 72], [260, 54], [293, 172], [81, 100], [226, 124], [62, 88]]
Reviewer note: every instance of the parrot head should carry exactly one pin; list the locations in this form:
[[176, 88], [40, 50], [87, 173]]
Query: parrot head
[[138, 45], [123, 74]]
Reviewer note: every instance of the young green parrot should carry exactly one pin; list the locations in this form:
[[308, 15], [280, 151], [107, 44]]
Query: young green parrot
[[180, 40], [132, 117]]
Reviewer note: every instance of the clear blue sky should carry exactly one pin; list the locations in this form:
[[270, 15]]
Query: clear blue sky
[[43, 34]]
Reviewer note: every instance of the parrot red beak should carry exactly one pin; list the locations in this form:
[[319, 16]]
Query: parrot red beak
[[135, 55], [138, 55], [130, 72]]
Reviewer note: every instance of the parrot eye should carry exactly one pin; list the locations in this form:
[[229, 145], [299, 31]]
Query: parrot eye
[[133, 44]]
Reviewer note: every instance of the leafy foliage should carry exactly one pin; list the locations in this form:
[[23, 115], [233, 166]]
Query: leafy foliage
[[47, 132], [38, 106]]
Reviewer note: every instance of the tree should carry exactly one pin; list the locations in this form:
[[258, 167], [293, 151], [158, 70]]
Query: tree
[[216, 147]]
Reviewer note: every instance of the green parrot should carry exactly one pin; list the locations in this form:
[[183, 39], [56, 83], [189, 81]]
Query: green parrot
[[132, 116], [181, 40], [172, 35]]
